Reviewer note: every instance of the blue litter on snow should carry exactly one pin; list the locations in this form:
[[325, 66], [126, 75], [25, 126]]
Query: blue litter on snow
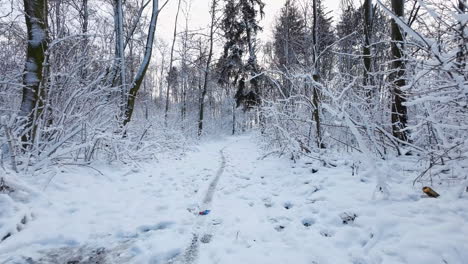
[[204, 212]]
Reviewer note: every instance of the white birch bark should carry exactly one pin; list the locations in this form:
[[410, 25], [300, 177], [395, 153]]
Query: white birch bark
[[140, 75]]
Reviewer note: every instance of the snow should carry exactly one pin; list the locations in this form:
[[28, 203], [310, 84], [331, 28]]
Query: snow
[[31, 77], [37, 33], [263, 210]]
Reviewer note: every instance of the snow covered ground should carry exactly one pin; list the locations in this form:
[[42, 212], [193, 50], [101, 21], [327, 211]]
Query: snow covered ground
[[262, 210]]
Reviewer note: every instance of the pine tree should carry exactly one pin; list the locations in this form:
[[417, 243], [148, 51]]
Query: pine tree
[[289, 36], [289, 42], [240, 26]]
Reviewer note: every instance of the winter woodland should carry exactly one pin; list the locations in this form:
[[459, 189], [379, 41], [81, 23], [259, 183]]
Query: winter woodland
[[338, 137]]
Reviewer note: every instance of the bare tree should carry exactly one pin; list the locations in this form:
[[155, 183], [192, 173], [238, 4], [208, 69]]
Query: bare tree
[[368, 14], [399, 109], [185, 71], [140, 75], [462, 46], [84, 29], [171, 60], [207, 67], [315, 96], [33, 81], [120, 52]]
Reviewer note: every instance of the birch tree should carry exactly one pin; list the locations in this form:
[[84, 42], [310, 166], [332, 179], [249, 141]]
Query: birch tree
[[140, 75]]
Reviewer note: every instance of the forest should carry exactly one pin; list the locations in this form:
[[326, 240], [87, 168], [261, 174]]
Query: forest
[[325, 136]]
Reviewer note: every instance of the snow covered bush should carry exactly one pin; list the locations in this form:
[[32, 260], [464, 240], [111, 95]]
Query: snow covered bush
[[355, 115]]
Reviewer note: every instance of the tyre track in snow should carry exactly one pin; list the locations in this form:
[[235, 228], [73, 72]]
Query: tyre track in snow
[[211, 189], [191, 253]]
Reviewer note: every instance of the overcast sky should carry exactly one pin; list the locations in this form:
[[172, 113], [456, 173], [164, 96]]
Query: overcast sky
[[199, 16]]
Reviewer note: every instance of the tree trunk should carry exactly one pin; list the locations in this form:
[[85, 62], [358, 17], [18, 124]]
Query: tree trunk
[[207, 69], [315, 98], [31, 102], [462, 46], [184, 67], [367, 46], [252, 61], [316, 113], [120, 52], [399, 109], [183, 110], [166, 112], [84, 30], [161, 80], [140, 75], [234, 118]]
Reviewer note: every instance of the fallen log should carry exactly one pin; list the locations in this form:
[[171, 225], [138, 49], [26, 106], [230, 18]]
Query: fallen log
[[430, 192]]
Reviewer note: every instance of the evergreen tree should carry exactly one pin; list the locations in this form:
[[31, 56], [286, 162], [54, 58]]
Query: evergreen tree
[[289, 36], [240, 25], [289, 46]]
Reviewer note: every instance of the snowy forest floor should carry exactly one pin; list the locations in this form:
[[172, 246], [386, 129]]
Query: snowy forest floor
[[262, 210]]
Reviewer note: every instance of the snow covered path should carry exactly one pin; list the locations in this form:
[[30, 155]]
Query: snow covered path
[[141, 213], [191, 254], [261, 211]]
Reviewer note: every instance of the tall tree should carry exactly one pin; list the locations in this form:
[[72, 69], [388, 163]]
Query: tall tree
[[140, 75], [366, 50], [171, 61], [120, 52], [33, 81], [399, 109], [240, 25], [364, 41], [462, 39], [348, 23], [289, 41], [84, 12], [316, 74], [214, 3], [320, 34]]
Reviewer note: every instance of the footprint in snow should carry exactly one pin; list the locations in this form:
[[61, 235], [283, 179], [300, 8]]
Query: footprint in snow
[[358, 260], [126, 235], [279, 228], [327, 232], [280, 223], [206, 238], [267, 202], [158, 226], [308, 222], [314, 200], [348, 217], [288, 205]]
